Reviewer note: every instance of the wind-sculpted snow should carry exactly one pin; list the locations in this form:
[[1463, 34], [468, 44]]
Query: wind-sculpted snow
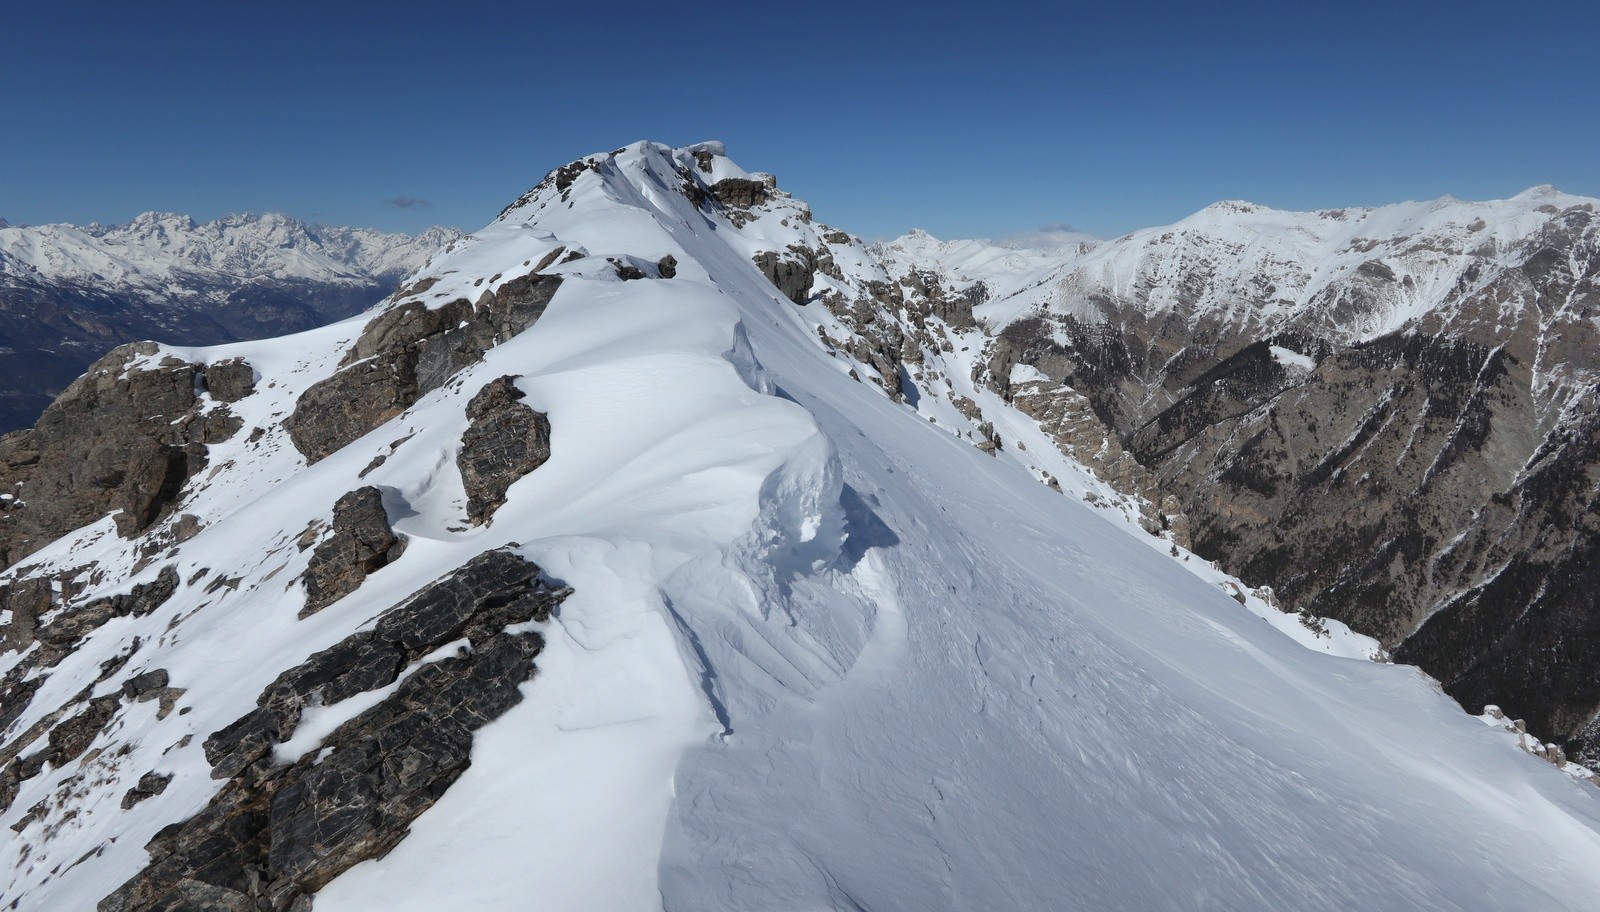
[[819, 652]]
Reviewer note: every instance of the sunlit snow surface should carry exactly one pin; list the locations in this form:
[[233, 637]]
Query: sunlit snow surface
[[821, 653]]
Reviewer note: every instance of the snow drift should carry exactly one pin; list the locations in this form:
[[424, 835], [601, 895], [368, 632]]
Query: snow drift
[[819, 652]]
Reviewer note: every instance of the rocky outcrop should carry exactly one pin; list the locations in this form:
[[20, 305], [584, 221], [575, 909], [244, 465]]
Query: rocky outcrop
[[282, 828], [1432, 487], [58, 630], [71, 738], [790, 271], [69, 626], [230, 380], [124, 437], [37, 616], [504, 441], [25, 600], [740, 192], [1069, 419], [404, 353], [65, 741], [361, 543], [150, 785]]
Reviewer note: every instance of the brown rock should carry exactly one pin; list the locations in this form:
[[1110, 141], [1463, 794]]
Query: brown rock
[[230, 380], [404, 353]]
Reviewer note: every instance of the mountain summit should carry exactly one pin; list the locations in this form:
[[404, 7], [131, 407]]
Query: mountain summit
[[657, 546]]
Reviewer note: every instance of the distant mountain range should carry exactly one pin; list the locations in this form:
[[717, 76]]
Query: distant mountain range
[[1389, 415], [70, 293]]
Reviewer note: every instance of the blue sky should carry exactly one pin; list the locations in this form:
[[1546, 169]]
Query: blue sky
[[965, 119]]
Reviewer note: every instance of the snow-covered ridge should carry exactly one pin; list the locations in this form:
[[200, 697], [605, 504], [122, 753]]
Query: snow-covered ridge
[[158, 248], [1004, 267], [1249, 265], [820, 652]]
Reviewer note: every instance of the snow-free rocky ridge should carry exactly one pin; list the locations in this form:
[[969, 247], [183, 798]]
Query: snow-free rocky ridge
[[647, 561], [70, 293]]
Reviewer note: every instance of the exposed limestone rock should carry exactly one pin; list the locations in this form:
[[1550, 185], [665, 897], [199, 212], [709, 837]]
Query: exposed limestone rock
[[150, 785], [361, 543], [26, 600], [152, 685], [1173, 520], [932, 297], [349, 404], [230, 380], [71, 738], [148, 682], [127, 435], [1069, 418], [58, 629], [153, 476], [739, 192], [789, 271], [68, 628], [561, 179], [404, 353], [504, 441], [667, 267], [61, 630], [988, 440], [627, 272], [278, 832], [16, 693]]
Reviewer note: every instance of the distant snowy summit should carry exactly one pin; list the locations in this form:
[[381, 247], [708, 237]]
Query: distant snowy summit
[[1353, 273], [69, 293], [161, 247]]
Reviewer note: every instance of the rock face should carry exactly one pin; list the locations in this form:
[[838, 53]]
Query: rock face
[[282, 828], [407, 351], [231, 380], [38, 616], [1429, 480], [150, 785], [505, 441], [1069, 419], [791, 272], [127, 435], [46, 631], [68, 626], [361, 543], [739, 192]]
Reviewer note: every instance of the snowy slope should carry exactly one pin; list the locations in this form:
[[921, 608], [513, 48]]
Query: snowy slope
[[1004, 268], [821, 652], [1259, 269]]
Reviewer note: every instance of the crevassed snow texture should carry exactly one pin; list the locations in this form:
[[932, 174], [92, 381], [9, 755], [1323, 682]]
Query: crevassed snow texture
[[821, 654]]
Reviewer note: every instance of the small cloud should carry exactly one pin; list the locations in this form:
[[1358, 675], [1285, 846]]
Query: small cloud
[[1054, 236], [407, 202]]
